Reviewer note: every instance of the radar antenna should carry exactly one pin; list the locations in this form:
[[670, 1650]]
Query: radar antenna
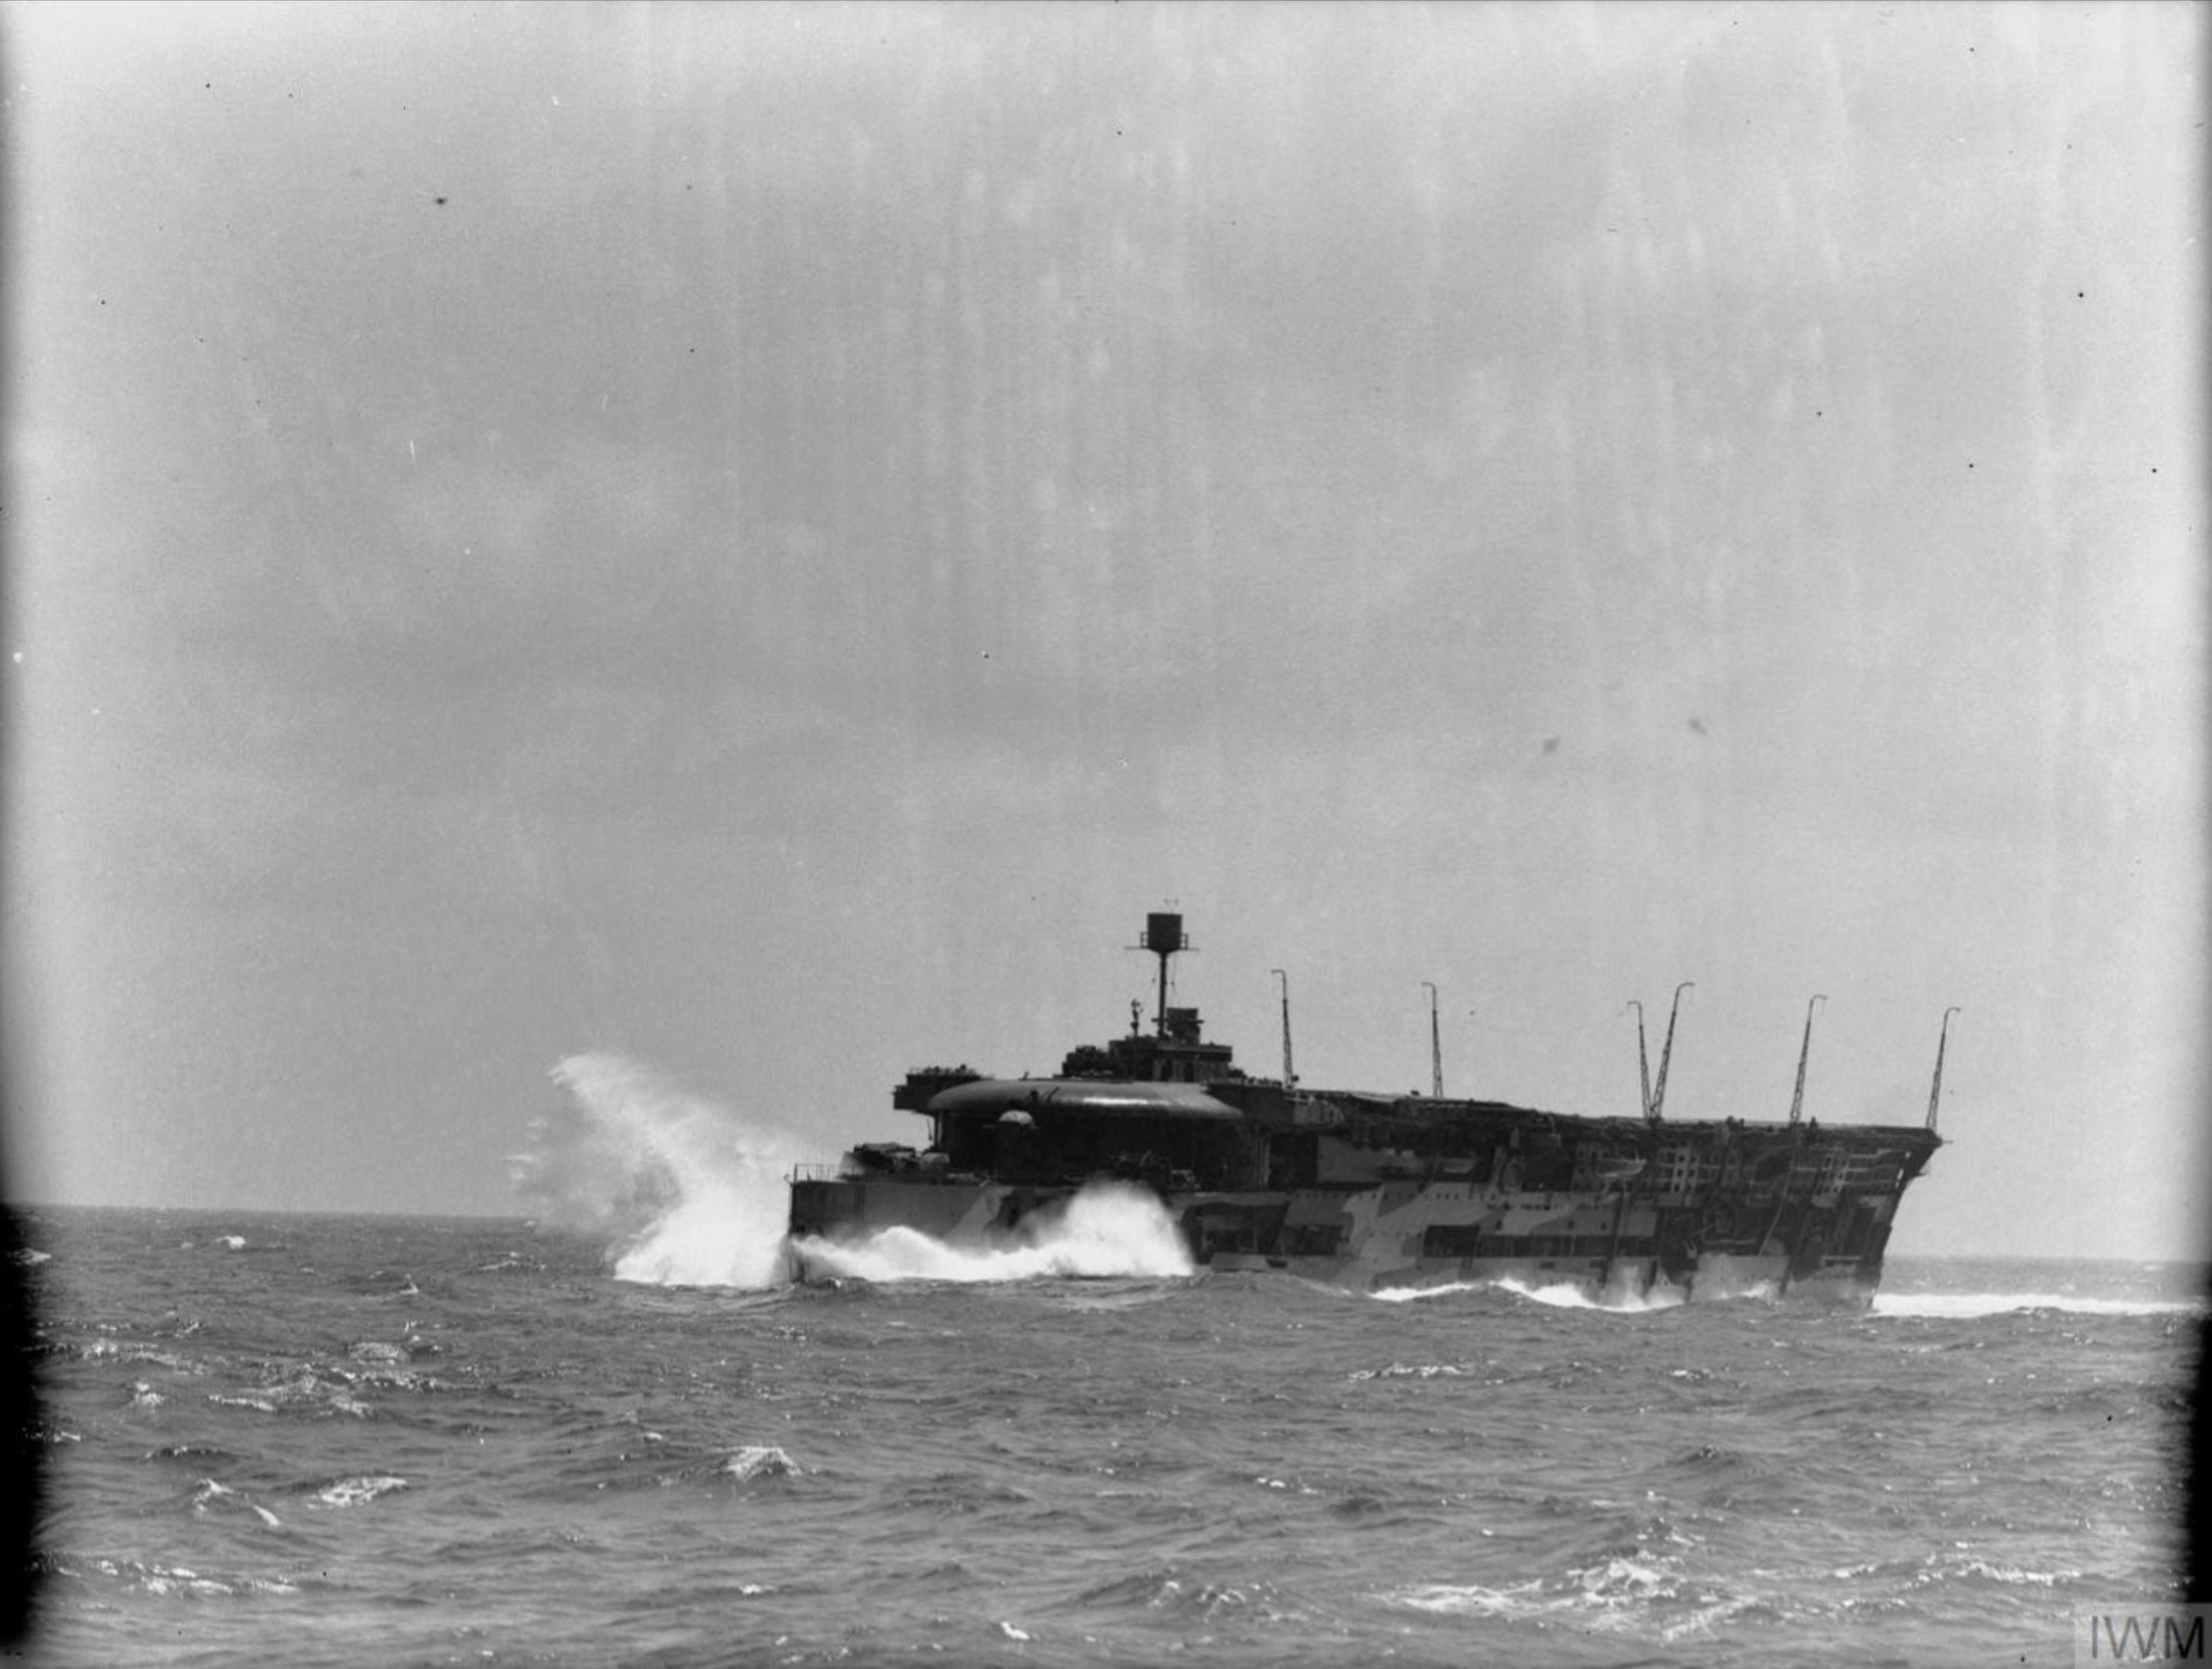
[[1163, 937]]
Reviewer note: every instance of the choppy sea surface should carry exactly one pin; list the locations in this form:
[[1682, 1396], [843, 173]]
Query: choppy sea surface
[[327, 1439], [612, 1433]]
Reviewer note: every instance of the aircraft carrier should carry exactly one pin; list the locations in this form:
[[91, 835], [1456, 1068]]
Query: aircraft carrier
[[1382, 1191]]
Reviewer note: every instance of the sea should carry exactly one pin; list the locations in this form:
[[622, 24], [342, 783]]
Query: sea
[[611, 1432]]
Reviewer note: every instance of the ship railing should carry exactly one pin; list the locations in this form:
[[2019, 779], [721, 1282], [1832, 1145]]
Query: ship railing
[[816, 1173]]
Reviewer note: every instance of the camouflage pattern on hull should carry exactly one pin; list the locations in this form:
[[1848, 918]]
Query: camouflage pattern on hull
[[1380, 1190], [1611, 1249]]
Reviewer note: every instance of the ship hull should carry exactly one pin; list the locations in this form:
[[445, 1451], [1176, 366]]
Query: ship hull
[[1609, 1246], [1371, 1189]]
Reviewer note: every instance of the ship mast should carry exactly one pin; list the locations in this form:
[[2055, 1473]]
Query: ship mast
[[1642, 1060], [1935, 1089], [1436, 1047], [1290, 1078], [1666, 1053], [1797, 1097], [1163, 937]]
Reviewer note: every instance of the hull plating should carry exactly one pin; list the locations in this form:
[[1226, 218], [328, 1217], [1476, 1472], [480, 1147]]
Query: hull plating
[[1607, 1247]]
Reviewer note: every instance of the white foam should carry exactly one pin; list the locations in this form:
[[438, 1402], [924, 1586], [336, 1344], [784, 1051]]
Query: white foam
[[1559, 1294], [353, 1491], [259, 1405], [759, 1460], [1968, 1305], [1410, 1370], [1617, 1584], [1623, 1596], [1569, 1294], [1443, 1290], [209, 1490], [1107, 1230], [685, 1192]]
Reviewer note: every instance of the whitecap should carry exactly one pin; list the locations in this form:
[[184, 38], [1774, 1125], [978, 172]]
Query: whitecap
[[760, 1460], [1443, 1290], [208, 1491], [167, 1579], [1620, 1581], [1520, 1599], [1622, 1596], [1946, 1567], [354, 1491], [1413, 1370]]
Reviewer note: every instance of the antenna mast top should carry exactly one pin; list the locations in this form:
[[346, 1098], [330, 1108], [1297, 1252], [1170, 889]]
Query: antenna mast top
[[1804, 1049], [1436, 1046], [1163, 937], [1936, 1088]]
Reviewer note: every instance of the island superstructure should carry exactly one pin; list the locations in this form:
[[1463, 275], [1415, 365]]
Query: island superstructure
[[1378, 1190]]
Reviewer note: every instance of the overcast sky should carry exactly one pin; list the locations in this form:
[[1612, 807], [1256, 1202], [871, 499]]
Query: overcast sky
[[761, 540]]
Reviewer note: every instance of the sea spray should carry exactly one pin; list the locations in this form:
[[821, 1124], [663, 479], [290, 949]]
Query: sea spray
[[1108, 1229], [684, 1191]]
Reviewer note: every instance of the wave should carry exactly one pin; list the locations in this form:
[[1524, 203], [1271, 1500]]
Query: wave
[[1106, 1230], [357, 1491], [163, 1580], [1567, 1295], [684, 1191], [1636, 1596], [759, 1460], [209, 1493], [1163, 1591], [1952, 1305], [1561, 1295], [1410, 1370]]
